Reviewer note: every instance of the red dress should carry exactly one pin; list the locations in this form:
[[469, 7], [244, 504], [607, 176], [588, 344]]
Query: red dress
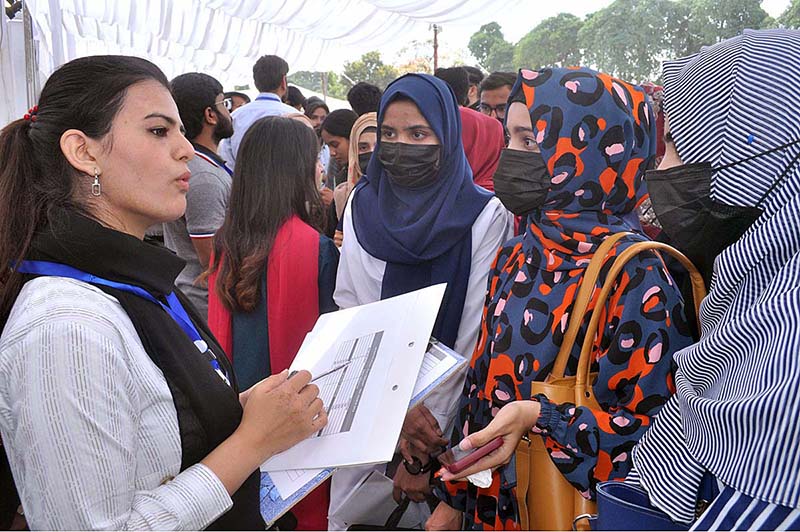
[[292, 310]]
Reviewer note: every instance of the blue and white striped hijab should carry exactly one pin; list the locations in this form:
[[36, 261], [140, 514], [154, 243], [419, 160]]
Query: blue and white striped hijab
[[736, 409]]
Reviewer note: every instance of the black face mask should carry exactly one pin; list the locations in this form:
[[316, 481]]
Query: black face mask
[[410, 165], [363, 161], [698, 226], [521, 181]]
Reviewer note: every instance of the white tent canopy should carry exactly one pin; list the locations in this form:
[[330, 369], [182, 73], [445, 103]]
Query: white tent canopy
[[220, 37], [225, 37]]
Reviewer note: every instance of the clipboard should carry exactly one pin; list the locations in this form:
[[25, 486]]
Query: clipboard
[[273, 506]]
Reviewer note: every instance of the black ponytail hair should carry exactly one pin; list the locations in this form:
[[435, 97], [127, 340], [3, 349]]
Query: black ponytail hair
[[35, 176]]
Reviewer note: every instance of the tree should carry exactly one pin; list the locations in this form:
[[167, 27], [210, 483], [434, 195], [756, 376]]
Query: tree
[[791, 17], [369, 68], [306, 79], [491, 49], [554, 42], [313, 81], [501, 58], [630, 37], [711, 21]]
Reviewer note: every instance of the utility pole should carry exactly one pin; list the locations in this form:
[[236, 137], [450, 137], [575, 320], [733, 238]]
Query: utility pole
[[436, 30]]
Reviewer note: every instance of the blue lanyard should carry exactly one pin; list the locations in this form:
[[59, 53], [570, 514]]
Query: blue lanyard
[[272, 97], [173, 306], [212, 162]]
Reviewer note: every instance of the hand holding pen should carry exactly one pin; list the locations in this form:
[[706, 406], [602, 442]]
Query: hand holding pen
[[325, 373]]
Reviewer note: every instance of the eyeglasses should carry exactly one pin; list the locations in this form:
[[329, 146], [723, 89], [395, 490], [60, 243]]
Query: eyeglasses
[[499, 109], [227, 102]]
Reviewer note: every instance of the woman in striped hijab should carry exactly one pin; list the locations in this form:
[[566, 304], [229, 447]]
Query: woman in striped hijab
[[734, 126]]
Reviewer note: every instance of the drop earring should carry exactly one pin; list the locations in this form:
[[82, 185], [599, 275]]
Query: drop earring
[[96, 183]]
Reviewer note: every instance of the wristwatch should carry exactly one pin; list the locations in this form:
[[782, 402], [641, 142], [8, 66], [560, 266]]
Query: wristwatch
[[415, 467]]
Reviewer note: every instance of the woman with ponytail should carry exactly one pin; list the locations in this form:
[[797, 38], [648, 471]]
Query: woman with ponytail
[[117, 408]]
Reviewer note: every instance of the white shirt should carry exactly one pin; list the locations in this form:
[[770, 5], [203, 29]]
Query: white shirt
[[265, 104], [359, 281], [88, 421], [360, 276]]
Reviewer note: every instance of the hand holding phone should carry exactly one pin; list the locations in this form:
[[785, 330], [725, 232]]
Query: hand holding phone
[[509, 424], [456, 460]]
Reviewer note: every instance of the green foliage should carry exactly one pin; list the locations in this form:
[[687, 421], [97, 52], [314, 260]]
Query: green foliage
[[554, 42], [482, 41], [314, 80], [629, 37], [491, 49], [791, 17], [369, 68], [711, 21], [501, 58], [309, 80]]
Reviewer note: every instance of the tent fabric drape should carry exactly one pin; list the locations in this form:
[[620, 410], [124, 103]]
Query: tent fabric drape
[[225, 37]]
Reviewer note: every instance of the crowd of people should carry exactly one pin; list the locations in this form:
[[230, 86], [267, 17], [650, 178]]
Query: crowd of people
[[143, 383]]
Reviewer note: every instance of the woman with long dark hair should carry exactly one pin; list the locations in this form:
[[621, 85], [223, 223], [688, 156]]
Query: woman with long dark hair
[[273, 274], [117, 408]]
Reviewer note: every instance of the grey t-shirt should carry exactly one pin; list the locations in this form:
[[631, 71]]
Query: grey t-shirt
[[209, 190]]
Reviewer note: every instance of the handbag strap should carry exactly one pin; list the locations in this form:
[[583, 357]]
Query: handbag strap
[[583, 377], [578, 312], [393, 521]]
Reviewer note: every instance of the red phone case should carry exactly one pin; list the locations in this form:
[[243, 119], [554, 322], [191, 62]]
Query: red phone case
[[455, 461]]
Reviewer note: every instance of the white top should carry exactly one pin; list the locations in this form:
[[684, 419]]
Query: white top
[[360, 277], [88, 421], [265, 104]]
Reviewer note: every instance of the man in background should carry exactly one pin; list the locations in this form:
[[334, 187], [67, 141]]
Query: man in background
[[493, 94], [269, 74], [205, 114], [364, 98], [238, 98], [482, 137], [458, 79]]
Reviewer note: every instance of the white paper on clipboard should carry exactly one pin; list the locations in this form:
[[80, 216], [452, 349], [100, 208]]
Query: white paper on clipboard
[[384, 344], [439, 365]]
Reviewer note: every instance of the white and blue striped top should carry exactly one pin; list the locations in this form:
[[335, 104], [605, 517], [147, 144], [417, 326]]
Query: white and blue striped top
[[738, 389]]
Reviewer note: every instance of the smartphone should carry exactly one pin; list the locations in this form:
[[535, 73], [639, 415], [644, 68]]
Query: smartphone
[[456, 460]]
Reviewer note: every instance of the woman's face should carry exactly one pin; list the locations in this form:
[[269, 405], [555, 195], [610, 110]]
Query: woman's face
[[366, 142], [142, 162], [671, 157], [318, 116], [518, 123], [403, 122], [339, 146]]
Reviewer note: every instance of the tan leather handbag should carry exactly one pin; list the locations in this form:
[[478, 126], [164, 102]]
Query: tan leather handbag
[[547, 501]]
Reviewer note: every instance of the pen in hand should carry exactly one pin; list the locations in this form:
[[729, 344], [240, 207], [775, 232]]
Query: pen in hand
[[325, 373]]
